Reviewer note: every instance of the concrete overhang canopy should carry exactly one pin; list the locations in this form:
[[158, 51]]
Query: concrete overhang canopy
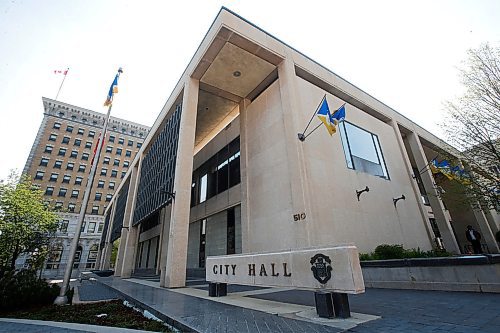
[[231, 69], [235, 64]]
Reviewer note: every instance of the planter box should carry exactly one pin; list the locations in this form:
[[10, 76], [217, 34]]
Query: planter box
[[471, 273]]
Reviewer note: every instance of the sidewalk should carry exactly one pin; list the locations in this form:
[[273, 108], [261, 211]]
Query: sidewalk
[[250, 309], [8, 325]]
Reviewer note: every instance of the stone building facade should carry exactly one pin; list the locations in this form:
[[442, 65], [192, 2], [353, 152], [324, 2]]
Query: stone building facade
[[223, 171], [60, 161]]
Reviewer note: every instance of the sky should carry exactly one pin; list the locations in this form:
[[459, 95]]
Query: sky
[[404, 53]]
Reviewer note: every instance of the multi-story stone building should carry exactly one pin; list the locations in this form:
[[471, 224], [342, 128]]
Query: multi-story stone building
[[60, 162], [223, 169]]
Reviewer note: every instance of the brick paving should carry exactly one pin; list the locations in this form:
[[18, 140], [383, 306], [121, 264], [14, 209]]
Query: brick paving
[[415, 311], [400, 311], [200, 315]]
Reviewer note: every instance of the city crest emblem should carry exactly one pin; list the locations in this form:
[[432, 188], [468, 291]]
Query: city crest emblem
[[321, 268]]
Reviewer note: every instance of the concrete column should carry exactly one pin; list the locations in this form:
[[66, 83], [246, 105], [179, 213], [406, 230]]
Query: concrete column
[[108, 247], [438, 209], [491, 216], [175, 270], [165, 228], [245, 224], [121, 249], [414, 185], [130, 233], [296, 163], [488, 236]]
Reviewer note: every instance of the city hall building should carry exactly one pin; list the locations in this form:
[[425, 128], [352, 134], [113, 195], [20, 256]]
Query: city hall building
[[223, 171]]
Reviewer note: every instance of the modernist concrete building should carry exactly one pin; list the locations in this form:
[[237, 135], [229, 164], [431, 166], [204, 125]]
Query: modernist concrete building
[[60, 161], [222, 171]]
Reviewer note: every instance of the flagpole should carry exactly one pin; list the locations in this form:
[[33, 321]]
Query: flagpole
[[315, 128], [301, 135], [62, 299], [425, 167], [60, 87]]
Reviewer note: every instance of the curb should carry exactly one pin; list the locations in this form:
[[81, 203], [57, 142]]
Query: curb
[[71, 326]]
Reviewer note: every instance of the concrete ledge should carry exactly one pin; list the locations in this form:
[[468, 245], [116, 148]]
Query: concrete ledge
[[444, 261], [183, 327], [475, 274]]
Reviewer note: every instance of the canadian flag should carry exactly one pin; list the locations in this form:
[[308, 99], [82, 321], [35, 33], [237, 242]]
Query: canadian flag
[[57, 71]]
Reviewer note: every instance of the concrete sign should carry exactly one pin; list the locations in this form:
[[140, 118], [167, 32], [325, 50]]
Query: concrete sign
[[335, 269]]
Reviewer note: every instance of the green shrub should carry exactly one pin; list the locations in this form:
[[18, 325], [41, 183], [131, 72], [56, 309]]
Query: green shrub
[[23, 289], [386, 251], [365, 256]]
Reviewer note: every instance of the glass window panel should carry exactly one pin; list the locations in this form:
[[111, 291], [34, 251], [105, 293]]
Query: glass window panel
[[345, 145], [203, 188], [212, 180], [223, 177], [91, 227], [362, 150], [234, 170], [361, 143], [381, 157]]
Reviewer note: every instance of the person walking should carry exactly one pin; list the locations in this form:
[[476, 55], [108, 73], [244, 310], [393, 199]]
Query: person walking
[[474, 238]]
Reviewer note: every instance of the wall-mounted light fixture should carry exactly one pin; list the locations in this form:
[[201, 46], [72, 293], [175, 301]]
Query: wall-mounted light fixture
[[358, 193], [395, 200]]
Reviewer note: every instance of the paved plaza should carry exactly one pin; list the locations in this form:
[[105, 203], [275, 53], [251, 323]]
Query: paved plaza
[[253, 309], [250, 309]]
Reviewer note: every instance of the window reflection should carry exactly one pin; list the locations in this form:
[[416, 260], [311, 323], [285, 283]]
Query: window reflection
[[362, 150], [218, 174]]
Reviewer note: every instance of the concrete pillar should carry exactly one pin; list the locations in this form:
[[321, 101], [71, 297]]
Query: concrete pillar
[[488, 236], [121, 249], [245, 224], [492, 217], [414, 185], [108, 247], [175, 270], [296, 163], [165, 229], [130, 234], [450, 243]]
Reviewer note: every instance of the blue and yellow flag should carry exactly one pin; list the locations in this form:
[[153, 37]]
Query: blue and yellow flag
[[330, 120], [452, 173], [338, 116], [326, 117], [112, 90]]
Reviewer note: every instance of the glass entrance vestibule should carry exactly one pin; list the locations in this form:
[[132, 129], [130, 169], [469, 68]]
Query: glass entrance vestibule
[[218, 234]]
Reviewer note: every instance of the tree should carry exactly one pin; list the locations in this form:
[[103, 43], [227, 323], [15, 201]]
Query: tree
[[473, 124], [114, 252], [26, 223]]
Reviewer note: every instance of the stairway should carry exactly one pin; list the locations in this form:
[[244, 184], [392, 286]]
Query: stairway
[[148, 274]]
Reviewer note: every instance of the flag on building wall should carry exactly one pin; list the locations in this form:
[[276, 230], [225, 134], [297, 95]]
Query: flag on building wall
[[452, 173], [326, 117], [330, 120], [339, 115], [113, 89], [442, 167]]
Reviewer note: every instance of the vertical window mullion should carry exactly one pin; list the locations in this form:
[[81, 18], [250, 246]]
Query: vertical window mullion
[[348, 146]]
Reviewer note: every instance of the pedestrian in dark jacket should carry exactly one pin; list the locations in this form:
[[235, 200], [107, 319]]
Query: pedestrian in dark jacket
[[474, 238]]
